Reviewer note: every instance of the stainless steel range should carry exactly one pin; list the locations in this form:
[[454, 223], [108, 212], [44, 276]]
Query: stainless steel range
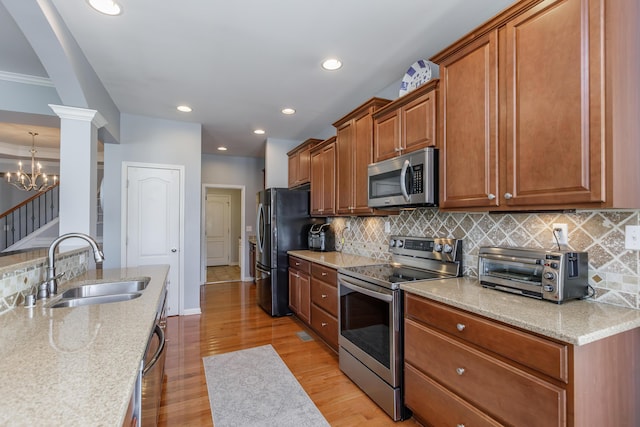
[[370, 315]]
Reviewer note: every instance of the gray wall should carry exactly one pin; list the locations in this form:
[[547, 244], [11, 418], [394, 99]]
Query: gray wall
[[228, 170], [149, 140]]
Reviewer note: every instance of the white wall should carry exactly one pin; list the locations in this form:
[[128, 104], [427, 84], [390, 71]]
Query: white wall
[[228, 170], [149, 140], [276, 161]]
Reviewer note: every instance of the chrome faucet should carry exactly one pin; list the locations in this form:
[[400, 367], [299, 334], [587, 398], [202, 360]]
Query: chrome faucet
[[50, 286]]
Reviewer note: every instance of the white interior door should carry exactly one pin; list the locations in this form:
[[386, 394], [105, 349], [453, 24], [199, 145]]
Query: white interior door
[[153, 224], [218, 229]]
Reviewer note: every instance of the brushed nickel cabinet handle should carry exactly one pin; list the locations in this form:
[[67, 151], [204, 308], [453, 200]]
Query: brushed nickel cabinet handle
[[459, 371], [324, 274], [508, 196], [324, 295], [491, 196], [324, 324], [460, 327]]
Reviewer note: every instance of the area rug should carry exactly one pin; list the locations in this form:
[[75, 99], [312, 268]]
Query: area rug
[[254, 388]]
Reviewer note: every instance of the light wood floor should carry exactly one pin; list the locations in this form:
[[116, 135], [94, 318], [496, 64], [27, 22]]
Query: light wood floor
[[223, 273], [231, 320]]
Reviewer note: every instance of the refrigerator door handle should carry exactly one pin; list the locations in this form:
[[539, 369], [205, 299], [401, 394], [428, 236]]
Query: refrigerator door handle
[[259, 234]]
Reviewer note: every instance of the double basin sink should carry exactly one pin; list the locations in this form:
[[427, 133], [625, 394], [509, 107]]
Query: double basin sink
[[100, 293]]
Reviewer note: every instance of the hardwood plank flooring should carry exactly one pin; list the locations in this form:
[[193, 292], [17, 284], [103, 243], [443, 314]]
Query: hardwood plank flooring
[[231, 320]]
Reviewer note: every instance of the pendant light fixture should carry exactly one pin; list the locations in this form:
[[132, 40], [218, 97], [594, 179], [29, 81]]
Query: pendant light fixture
[[37, 180]]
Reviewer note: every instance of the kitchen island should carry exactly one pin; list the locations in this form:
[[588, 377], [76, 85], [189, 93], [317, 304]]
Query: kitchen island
[[76, 366]]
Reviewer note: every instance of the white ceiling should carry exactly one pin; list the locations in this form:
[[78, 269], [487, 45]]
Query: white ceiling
[[238, 63]]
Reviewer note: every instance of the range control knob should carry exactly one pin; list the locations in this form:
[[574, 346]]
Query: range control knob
[[548, 288], [447, 248], [399, 243], [437, 247], [549, 275]]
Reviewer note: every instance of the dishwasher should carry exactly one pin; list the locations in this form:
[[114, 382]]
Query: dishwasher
[[153, 369]]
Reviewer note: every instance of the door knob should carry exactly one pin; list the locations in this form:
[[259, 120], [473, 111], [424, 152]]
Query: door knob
[[174, 250]]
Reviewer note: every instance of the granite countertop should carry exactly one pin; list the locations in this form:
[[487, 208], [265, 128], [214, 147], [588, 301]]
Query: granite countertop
[[76, 366], [334, 259], [576, 322]]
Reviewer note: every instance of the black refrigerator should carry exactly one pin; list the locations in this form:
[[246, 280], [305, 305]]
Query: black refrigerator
[[283, 223]]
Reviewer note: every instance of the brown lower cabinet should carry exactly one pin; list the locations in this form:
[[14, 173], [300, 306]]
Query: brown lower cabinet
[[320, 301], [463, 369]]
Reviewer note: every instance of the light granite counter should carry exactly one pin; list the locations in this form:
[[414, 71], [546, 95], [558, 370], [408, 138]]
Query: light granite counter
[[76, 366], [575, 322], [334, 259]]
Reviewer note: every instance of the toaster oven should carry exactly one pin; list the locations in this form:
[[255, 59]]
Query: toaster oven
[[552, 275]]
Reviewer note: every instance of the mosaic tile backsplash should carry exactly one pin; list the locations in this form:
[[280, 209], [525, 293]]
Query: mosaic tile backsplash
[[614, 272]]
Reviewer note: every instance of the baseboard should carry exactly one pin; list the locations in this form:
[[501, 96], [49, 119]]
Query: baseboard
[[191, 312]]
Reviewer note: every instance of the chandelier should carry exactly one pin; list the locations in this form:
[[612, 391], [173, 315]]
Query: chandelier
[[37, 180]]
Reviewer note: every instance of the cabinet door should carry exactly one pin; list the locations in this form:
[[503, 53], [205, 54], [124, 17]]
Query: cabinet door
[[386, 136], [293, 170], [418, 120], [317, 183], [344, 174], [329, 175], [554, 67], [304, 165], [469, 133], [294, 293], [363, 156], [304, 287]]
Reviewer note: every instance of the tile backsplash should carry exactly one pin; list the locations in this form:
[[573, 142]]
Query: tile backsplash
[[614, 272]]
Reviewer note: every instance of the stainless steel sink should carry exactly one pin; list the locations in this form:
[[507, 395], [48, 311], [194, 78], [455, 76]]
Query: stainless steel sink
[[100, 293], [90, 300], [106, 288]]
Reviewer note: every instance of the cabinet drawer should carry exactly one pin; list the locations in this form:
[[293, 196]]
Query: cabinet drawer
[[499, 389], [437, 406], [300, 264], [545, 356], [326, 274], [324, 296], [325, 325]]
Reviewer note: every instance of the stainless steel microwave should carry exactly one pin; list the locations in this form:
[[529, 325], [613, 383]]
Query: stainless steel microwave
[[409, 180]]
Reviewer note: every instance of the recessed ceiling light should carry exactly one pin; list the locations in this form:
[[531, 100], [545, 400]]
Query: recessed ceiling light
[[184, 108], [288, 111], [331, 64], [222, 148], [108, 7], [259, 131]]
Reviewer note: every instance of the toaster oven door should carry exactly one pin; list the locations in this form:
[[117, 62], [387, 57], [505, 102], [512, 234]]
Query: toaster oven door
[[521, 275]]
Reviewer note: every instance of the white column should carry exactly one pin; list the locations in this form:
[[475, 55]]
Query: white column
[[78, 169]]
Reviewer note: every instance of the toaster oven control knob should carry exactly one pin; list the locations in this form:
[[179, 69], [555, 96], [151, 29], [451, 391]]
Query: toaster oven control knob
[[399, 243], [392, 243], [548, 288], [549, 275], [437, 247], [554, 265], [447, 248]]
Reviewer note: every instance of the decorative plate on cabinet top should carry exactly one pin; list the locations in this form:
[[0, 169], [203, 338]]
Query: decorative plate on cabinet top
[[420, 72]]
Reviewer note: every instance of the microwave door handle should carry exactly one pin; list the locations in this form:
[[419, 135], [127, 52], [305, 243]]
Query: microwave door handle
[[403, 182]]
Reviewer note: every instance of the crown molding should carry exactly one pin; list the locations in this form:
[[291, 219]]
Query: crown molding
[[26, 79], [83, 114]]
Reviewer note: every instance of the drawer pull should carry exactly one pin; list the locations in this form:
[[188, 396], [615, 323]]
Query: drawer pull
[[459, 371], [324, 295], [460, 425], [460, 326], [324, 273], [297, 263], [324, 324]]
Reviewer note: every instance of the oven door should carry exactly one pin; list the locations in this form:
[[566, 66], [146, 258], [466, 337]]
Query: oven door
[[369, 321]]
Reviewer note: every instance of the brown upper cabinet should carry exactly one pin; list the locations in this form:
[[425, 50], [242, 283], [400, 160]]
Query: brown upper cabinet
[[533, 117], [354, 148], [407, 124], [300, 163], [323, 178]]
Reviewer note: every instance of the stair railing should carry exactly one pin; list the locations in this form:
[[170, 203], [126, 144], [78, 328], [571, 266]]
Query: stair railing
[[27, 217]]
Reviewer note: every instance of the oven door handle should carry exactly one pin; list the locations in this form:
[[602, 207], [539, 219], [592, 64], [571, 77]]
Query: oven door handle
[[533, 261], [373, 294]]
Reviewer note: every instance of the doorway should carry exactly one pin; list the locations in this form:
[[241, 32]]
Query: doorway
[[223, 239]]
